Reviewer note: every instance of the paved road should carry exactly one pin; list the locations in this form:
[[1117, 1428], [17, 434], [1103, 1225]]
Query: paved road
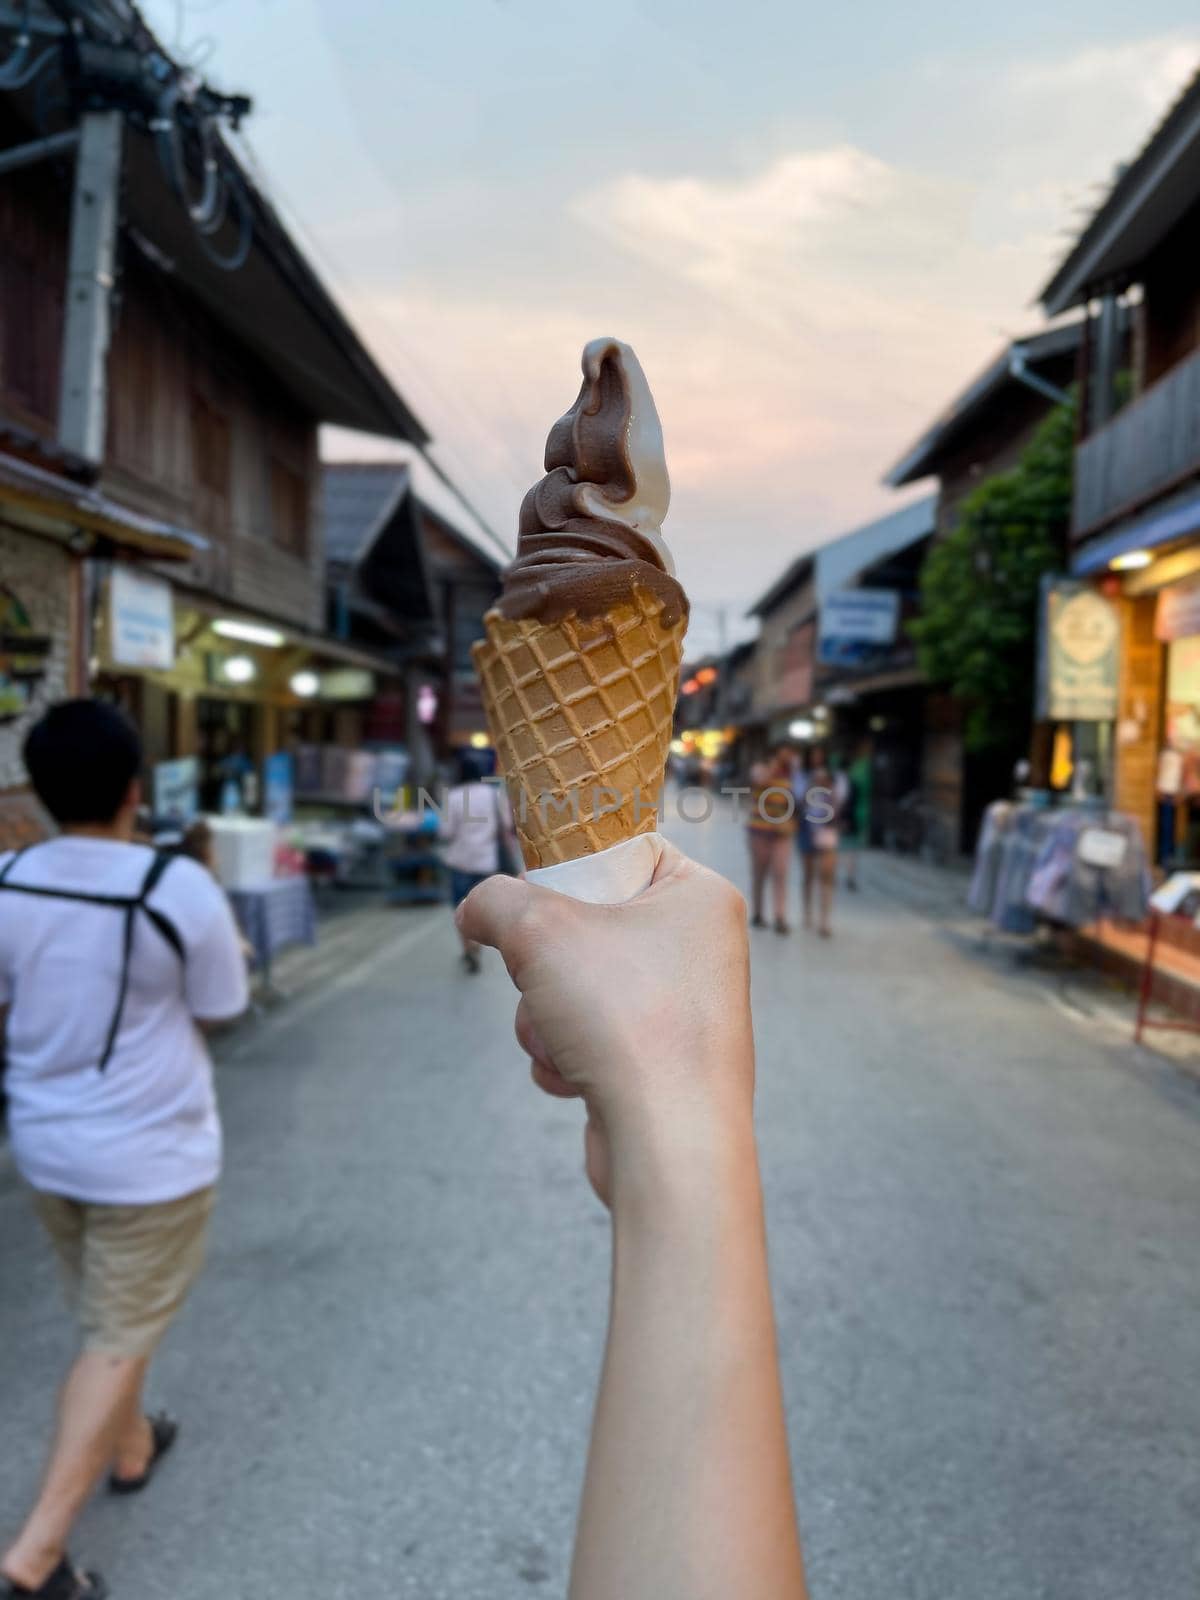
[[986, 1254]]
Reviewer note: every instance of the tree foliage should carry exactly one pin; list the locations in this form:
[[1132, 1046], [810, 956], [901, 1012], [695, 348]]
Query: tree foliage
[[977, 633]]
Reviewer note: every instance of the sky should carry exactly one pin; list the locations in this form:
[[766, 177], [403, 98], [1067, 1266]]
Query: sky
[[814, 224]]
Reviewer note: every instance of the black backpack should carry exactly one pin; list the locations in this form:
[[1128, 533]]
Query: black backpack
[[130, 905]]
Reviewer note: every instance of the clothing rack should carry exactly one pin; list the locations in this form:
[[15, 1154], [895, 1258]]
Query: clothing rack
[[1062, 866]]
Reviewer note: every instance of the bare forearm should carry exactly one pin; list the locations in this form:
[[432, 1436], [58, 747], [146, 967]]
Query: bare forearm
[[688, 1491]]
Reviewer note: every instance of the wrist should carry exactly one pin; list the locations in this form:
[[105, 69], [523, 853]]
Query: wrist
[[676, 1163]]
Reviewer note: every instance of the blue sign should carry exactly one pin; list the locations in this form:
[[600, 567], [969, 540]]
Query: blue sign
[[141, 621], [858, 626]]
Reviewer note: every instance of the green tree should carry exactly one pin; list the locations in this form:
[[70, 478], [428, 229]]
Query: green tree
[[977, 633]]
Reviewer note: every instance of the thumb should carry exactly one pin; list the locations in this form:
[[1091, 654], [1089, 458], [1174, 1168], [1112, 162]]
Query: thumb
[[493, 912]]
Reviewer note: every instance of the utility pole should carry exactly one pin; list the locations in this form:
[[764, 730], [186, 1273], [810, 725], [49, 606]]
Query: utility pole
[[91, 274]]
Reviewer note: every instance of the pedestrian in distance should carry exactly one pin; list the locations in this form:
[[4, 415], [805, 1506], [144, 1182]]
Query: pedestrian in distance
[[113, 958], [801, 783], [822, 810], [643, 1011], [478, 837], [770, 828]]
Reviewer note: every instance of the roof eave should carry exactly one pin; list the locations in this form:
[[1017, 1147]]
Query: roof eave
[[1083, 274]]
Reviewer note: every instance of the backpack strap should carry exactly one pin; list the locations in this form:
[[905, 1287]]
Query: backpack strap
[[153, 874], [11, 863], [162, 860]]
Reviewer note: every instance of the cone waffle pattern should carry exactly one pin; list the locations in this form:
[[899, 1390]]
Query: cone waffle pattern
[[578, 705]]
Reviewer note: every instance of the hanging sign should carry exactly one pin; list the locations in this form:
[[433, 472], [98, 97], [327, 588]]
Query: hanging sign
[[141, 620], [857, 626], [1079, 655]]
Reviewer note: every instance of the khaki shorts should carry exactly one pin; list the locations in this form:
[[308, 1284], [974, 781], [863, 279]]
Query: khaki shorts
[[128, 1269]]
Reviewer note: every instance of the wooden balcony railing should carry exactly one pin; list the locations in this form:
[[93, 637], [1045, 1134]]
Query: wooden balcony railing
[[1148, 448]]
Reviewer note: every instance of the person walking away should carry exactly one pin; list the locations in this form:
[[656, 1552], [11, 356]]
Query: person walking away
[[801, 783], [477, 833], [821, 805], [769, 829], [112, 958]]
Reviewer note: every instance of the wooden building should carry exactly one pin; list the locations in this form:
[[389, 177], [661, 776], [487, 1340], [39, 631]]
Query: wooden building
[[1136, 518], [215, 355], [983, 431], [410, 573]]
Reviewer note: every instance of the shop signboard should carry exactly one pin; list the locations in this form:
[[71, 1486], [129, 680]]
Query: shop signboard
[[141, 621], [177, 789], [1078, 665], [858, 626], [1177, 615], [278, 786]]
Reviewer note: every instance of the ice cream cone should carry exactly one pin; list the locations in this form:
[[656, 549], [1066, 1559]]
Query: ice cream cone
[[580, 712]]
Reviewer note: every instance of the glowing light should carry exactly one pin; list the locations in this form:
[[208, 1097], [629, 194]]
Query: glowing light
[[691, 686], [678, 748], [802, 728], [305, 684], [239, 669], [479, 741], [706, 675], [427, 703], [248, 632], [1130, 561]]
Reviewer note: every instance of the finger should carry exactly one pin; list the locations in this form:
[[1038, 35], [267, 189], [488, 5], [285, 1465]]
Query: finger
[[550, 1081], [493, 912]]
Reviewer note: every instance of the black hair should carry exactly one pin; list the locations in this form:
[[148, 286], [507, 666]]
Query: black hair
[[471, 766], [81, 758]]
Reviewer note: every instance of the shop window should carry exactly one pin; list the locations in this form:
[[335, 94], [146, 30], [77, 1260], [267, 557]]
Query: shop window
[[289, 508]]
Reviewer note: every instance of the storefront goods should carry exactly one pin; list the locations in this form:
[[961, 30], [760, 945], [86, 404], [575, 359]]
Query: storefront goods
[[1072, 866]]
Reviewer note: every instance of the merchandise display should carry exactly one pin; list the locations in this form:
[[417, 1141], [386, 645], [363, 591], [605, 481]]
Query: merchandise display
[[1070, 865]]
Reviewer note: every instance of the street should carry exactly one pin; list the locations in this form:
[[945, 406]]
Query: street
[[985, 1255]]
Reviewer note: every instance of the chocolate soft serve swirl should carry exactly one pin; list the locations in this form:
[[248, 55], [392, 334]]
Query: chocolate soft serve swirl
[[590, 531]]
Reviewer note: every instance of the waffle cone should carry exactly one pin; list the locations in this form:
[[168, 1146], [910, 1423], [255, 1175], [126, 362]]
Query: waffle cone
[[580, 712]]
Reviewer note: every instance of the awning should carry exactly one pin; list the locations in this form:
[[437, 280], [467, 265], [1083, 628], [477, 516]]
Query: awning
[[843, 690], [1169, 521], [36, 501], [294, 638]]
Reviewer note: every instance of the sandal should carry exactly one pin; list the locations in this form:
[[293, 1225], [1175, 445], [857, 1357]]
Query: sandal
[[164, 1430], [64, 1583]]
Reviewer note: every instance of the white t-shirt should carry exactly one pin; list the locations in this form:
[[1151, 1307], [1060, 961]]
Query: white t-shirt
[[145, 1129], [469, 826]]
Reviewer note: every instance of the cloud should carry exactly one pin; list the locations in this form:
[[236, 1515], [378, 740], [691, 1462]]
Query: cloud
[[1140, 74], [801, 323]]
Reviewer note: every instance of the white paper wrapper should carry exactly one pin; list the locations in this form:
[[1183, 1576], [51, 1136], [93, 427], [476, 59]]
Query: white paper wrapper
[[610, 877]]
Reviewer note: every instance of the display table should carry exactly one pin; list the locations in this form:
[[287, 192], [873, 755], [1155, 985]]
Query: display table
[[273, 915]]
